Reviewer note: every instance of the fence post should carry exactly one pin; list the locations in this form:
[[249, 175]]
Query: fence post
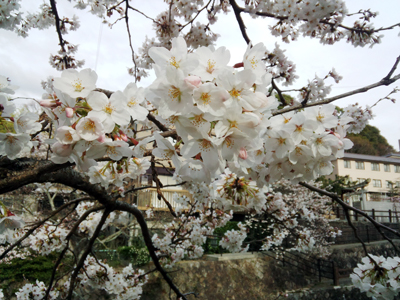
[[390, 216], [356, 215], [373, 214], [335, 274], [337, 212], [367, 233], [319, 269]]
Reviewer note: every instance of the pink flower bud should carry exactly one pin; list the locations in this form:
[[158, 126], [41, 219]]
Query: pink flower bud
[[193, 81], [69, 112], [243, 153], [48, 103], [102, 138], [124, 137]]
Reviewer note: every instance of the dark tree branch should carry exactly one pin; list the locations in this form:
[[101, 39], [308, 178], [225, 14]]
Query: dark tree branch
[[387, 80], [87, 250], [60, 38], [40, 223], [74, 179], [68, 238], [237, 10], [123, 206], [337, 199]]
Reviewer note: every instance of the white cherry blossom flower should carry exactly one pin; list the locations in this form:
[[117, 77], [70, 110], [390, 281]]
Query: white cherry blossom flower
[[109, 111], [135, 98], [5, 86], [89, 128], [11, 144], [76, 84], [27, 123], [7, 108], [210, 98], [67, 135], [113, 149], [211, 62], [252, 60], [177, 57]]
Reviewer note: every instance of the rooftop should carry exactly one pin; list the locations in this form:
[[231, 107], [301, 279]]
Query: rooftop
[[393, 158]]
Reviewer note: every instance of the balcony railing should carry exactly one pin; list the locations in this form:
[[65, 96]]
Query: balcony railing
[[149, 198]]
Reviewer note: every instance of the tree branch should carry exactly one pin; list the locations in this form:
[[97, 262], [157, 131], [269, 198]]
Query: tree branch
[[387, 80], [237, 10]]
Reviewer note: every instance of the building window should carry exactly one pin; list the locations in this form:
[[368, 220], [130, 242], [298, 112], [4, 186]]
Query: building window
[[374, 166], [360, 165], [377, 183], [389, 184], [347, 164], [397, 169], [398, 184], [360, 180], [386, 168]]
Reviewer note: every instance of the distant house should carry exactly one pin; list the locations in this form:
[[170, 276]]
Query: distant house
[[383, 173]]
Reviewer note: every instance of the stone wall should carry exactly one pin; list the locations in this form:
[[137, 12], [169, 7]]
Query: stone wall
[[258, 277]]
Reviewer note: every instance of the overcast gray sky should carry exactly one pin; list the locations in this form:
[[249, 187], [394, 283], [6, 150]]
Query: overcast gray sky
[[25, 61]]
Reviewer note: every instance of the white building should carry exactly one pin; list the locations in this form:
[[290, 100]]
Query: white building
[[383, 173]]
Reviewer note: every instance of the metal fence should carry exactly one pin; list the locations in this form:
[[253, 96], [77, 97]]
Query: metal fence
[[384, 216]]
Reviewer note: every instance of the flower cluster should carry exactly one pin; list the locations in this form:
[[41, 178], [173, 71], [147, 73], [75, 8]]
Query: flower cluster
[[378, 277], [123, 285], [35, 291], [233, 240]]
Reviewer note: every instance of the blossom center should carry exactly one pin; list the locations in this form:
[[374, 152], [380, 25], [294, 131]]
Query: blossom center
[[205, 97], [205, 145], [173, 62], [235, 93], [68, 136], [90, 125], [229, 142], [109, 109], [210, 66], [111, 150], [175, 93], [11, 139], [78, 85], [132, 102], [299, 128], [320, 117], [281, 141], [254, 62]]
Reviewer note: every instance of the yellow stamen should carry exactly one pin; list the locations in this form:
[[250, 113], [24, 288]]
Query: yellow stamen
[[281, 141], [90, 126], [205, 145], [320, 117], [299, 128], [205, 97], [132, 102], [109, 109], [253, 62], [235, 93], [210, 66], [68, 136], [78, 85], [173, 62], [175, 93]]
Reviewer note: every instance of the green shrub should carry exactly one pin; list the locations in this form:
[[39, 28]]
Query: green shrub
[[137, 254], [29, 269], [212, 244]]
